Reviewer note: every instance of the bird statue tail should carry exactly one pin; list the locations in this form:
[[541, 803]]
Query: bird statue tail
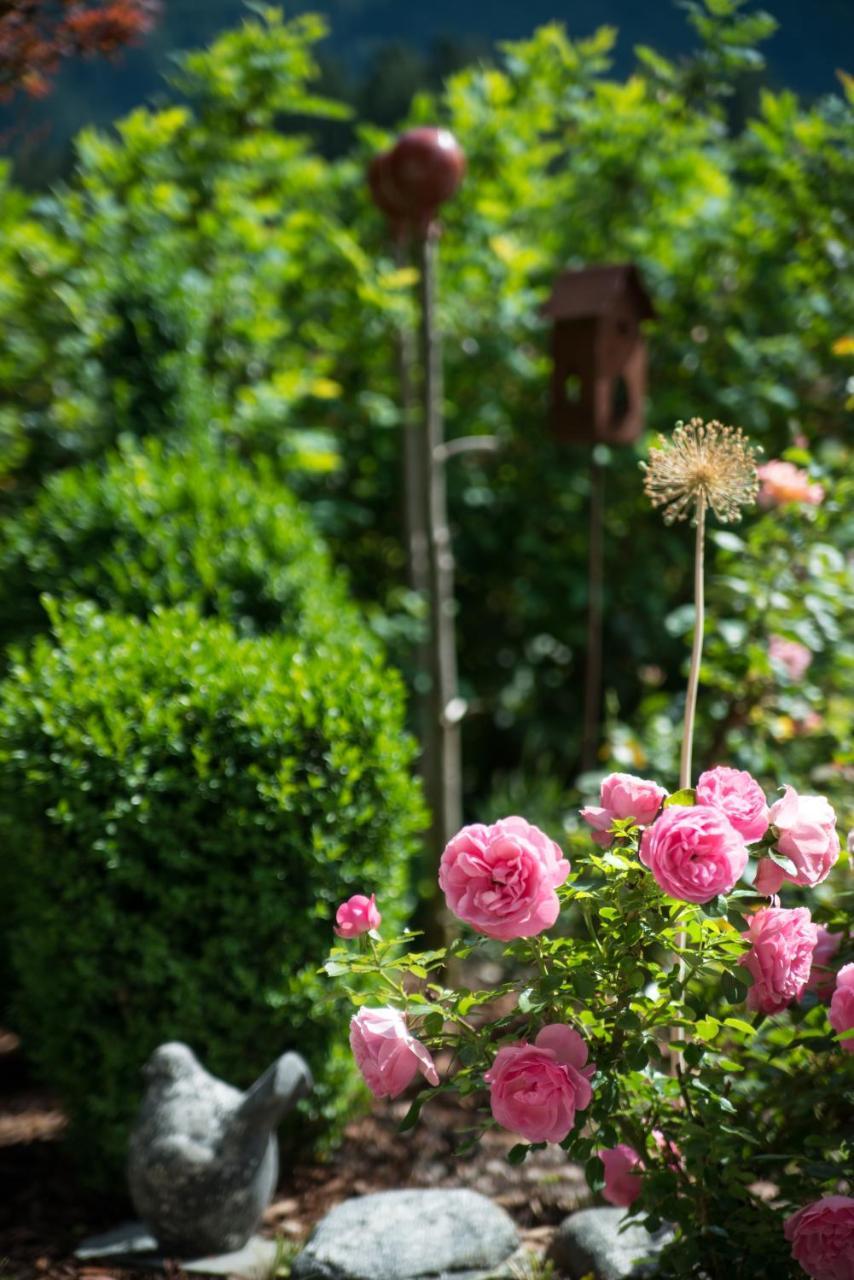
[[276, 1092]]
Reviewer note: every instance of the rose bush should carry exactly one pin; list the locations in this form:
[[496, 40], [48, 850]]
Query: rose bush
[[719, 1089]]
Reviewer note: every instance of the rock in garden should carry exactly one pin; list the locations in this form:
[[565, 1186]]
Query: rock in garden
[[411, 1235], [203, 1156], [590, 1243]]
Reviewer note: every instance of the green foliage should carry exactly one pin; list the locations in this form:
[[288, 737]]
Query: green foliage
[[181, 811], [152, 525]]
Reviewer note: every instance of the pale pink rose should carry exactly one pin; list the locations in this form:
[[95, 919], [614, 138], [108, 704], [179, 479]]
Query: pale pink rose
[[622, 795], [793, 657], [357, 915], [623, 1167], [739, 796], [694, 852], [782, 943], [841, 1012], [822, 1238], [783, 482], [667, 1148], [536, 1089], [807, 827], [502, 879], [387, 1053], [822, 979]]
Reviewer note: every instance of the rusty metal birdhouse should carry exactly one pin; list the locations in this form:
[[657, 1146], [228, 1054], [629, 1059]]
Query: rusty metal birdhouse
[[599, 374]]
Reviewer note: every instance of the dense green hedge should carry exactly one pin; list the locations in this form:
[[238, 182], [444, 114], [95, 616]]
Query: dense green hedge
[[157, 526], [181, 810]]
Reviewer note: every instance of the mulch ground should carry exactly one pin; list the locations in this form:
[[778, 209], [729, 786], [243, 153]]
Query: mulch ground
[[44, 1216]]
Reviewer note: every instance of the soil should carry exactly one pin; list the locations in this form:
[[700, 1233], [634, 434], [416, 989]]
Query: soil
[[44, 1216]]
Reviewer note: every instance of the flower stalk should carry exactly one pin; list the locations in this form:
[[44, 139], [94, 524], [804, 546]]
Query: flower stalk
[[696, 647]]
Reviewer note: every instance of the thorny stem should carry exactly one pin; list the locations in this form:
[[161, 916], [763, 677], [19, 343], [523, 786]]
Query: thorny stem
[[696, 649]]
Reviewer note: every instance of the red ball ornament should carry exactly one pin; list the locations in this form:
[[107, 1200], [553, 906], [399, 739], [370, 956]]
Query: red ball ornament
[[425, 167], [383, 191]]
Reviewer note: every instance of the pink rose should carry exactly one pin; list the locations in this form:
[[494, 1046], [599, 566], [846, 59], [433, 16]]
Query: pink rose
[[502, 879], [783, 482], [807, 837], [623, 1167], [793, 657], [693, 852], [841, 1012], [666, 1147], [782, 943], [739, 796], [387, 1053], [822, 979], [822, 1238], [536, 1089], [622, 795], [357, 915]]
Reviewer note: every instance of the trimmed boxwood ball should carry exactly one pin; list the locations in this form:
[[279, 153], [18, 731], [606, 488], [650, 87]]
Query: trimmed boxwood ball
[[155, 524], [181, 810]]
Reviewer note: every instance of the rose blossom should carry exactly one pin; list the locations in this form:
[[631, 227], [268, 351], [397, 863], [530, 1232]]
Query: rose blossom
[[841, 1012], [792, 656], [622, 795], [536, 1089], [502, 879], [807, 827], [739, 796], [822, 979], [387, 1053], [780, 956], [693, 852], [822, 1238], [623, 1167], [357, 915], [783, 482]]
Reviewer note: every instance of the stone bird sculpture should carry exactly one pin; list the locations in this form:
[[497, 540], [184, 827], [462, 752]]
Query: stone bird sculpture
[[203, 1157]]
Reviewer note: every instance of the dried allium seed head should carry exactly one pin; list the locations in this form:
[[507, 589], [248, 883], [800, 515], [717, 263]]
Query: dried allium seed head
[[702, 463]]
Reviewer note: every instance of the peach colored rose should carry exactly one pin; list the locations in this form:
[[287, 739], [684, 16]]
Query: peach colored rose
[[357, 915], [694, 852], [737, 795], [792, 656], [841, 1011], [536, 1089], [622, 795], [822, 1238], [822, 978], [387, 1053], [783, 482], [807, 837], [782, 943], [501, 880], [623, 1167]]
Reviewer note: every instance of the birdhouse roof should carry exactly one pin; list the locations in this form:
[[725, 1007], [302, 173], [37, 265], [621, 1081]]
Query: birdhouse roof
[[595, 291]]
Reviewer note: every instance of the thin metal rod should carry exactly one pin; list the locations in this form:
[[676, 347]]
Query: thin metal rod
[[696, 648], [467, 444], [414, 494], [593, 667]]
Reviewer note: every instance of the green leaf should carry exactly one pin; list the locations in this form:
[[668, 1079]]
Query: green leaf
[[707, 1028], [518, 1154], [740, 1025], [687, 795]]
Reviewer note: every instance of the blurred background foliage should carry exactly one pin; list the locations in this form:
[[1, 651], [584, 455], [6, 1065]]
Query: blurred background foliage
[[205, 270]]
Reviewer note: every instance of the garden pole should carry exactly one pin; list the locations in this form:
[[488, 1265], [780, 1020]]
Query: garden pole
[[414, 507], [593, 666]]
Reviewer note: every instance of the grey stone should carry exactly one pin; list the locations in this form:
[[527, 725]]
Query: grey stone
[[590, 1241], [132, 1245], [203, 1158], [411, 1235]]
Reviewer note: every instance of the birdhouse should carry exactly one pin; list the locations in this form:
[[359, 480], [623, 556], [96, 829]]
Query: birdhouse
[[599, 373]]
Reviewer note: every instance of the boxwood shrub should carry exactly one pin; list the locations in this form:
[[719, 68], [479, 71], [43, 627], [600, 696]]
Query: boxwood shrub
[[170, 524], [181, 808]]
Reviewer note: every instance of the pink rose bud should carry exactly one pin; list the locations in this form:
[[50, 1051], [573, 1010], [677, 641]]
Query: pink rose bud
[[782, 943], [357, 915], [737, 795], [501, 880], [783, 482], [807, 837], [387, 1053], [622, 795], [822, 1238], [536, 1089], [792, 657], [841, 1011], [623, 1167], [693, 852], [822, 979]]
